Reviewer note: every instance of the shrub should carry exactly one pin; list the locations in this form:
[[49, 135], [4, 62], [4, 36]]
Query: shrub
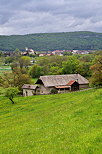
[[54, 91]]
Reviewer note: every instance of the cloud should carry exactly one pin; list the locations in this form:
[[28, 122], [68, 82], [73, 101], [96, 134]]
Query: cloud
[[36, 16]]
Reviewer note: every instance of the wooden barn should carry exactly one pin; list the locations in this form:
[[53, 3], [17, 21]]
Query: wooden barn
[[60, 83], [63, 83]]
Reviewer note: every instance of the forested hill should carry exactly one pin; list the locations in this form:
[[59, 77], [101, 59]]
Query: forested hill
[[53, 41]]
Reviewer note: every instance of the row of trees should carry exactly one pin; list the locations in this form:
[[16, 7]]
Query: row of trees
[[62, 65]]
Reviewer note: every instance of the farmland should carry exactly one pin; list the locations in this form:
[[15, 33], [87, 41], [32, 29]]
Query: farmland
[[63, 123], [5, 69]]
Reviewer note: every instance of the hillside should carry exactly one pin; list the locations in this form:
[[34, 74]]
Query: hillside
[[52, 124], [53, 41]]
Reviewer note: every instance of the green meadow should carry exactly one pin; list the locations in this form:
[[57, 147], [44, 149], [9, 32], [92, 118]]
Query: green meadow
[[68, 123]]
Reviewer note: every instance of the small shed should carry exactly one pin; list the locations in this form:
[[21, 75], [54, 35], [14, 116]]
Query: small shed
[[29, 90]]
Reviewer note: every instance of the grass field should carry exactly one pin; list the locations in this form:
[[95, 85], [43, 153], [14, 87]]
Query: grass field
[[5, 69], [68, 123]]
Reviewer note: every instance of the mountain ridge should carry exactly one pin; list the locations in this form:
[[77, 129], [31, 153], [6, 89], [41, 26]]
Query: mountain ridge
[[79, 40]]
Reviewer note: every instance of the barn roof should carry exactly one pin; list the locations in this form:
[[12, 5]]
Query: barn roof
[[28, 86], [56, 80]]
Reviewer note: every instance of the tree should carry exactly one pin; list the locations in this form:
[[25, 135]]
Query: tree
[[51, 64], [99, 52], [1, 53], [8, 60], [11, 92], [68, 53], [96, 68], [87, 58], [24, 61], [70, 66], [54, 70], [84, 69], [14, 79], [35, 71], [16, 55]]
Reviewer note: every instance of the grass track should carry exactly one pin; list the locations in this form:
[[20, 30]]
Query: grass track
[[52, 124]]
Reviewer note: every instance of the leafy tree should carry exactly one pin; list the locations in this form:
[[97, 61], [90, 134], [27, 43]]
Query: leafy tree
[[2, 91], [52, 64], [96, 68], [2, 60], [14, 79], [20, 78], [67, 53], [84, 69], [87, 58], [11, 92], [8, 60], [35, 71], [1, 53], [70, 66], [24, 61], [98, 52], [54, 70], [16, 54]]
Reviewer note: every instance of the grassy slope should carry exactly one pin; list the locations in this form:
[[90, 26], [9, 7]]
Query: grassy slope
[[63, 123]]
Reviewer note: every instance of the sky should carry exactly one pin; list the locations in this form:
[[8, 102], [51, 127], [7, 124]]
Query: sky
[[46, 16]]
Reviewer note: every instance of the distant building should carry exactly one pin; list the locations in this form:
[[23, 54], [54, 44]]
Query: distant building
[[42, 54], [29, 52], [82, 51]]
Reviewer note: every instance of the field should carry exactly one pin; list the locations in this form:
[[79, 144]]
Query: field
[[5, 69], [52, 124]]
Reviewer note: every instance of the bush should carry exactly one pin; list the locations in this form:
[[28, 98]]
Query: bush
[[54, 91]]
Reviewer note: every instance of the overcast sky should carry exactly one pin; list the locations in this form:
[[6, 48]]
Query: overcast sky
[[41, 16]]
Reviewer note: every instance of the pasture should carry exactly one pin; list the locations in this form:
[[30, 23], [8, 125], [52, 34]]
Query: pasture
[[68, 123]]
